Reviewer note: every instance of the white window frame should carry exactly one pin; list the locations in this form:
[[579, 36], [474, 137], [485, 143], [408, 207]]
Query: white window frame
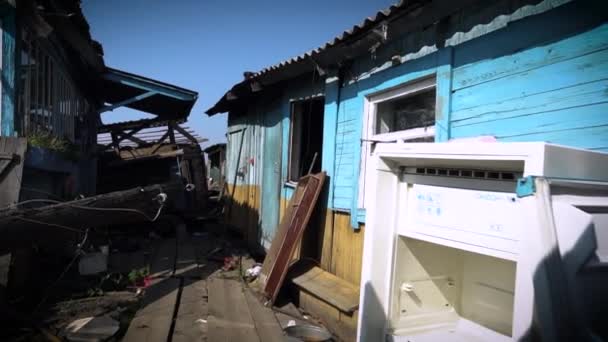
[[369, 137]]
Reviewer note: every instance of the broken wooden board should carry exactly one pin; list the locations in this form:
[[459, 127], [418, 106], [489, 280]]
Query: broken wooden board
[[191, 320], [229, 316], [153, 321], [280, 235], [266, 323], [12, 158], [303, 206], [329, 288]]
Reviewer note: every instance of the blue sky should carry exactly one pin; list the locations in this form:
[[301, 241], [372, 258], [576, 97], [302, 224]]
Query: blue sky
[[205, 45]]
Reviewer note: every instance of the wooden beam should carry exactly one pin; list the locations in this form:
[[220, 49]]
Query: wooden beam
[[127, 101], [150, 86], [115, 142], [171, 134], [186, 134], [135, 140]]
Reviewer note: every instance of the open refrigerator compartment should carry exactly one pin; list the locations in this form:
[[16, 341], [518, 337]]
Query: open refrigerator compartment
[[445, 293]]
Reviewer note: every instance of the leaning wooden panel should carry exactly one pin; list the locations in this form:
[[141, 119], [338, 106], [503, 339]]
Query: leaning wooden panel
[[279, 236], [302, 207]]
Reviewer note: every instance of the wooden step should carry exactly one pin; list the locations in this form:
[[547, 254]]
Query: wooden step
[[329, 288]]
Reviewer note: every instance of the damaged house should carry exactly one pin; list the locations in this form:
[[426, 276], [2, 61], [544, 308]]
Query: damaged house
[[419, 71], [55, 88]]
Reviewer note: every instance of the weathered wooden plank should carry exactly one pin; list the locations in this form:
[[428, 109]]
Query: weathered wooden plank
[[229, 317], [583, 69], [563, 98], [153, 321], [347, 249], [588, 137], [303, 208], [545, 122], [327, 239], [191, 319], [331, 289], [489, 70], [280, 235], [8, 110], [265, 321]]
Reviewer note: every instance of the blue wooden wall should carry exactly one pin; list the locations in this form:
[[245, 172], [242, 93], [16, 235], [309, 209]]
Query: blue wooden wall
[[539, 75], [7, 104], [543, 78], [556, 93]]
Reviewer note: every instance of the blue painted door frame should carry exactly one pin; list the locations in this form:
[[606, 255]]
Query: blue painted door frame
[[271, 174]]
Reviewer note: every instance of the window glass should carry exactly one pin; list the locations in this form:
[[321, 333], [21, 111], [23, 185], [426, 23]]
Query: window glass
[[402, 113]]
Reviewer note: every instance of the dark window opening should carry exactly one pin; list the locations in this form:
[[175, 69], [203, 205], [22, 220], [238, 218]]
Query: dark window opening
[[306, 142]]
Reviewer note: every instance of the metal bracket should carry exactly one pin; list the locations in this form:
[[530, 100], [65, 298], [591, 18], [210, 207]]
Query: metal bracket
[[525, 186]]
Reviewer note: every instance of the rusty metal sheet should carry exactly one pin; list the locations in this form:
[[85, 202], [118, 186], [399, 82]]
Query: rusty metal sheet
[[290, 233], [12, 157]]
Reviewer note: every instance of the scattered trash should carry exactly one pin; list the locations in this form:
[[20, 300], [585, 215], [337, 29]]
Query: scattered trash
[[230, 263], [105, 250], [306, 332], [92, 329], [93, 263], [140, 278], [254, 271], [200, 320], [291, 323]]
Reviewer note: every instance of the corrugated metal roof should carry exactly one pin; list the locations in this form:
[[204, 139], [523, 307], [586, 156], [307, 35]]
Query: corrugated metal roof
[[365, 25], [148, 123], [332, 52], [169, 101]]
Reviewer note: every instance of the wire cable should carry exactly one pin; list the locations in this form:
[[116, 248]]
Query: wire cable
[[161, 198], [49, 224], [79, 248]]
